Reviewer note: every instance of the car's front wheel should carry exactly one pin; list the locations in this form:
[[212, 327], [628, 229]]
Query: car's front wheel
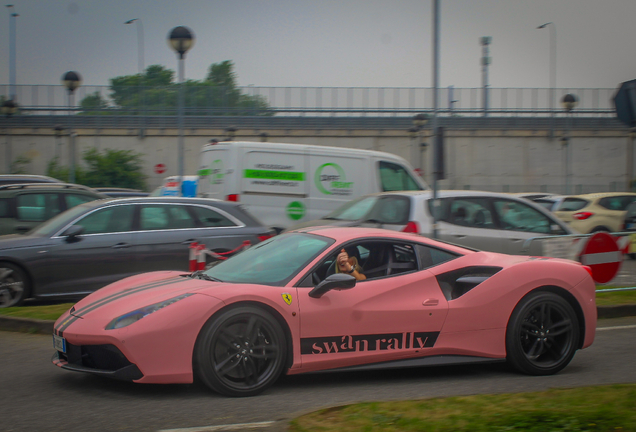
[[14, 285], [542, 334], [240, 352]]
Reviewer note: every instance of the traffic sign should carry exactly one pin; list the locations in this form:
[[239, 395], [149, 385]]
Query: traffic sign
[[602, 255], [160, 168]]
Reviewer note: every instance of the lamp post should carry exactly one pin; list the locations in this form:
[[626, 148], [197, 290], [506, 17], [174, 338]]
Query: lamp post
[[568, 102], [419, 147], [140, 63], [553, 59], [71, 80], [8, 109], [181, 39], [12, 51]]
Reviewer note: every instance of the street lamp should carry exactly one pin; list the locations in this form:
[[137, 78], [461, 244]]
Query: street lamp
[[12, 51], [553, 60], [181, 39], [485, 61], [569, 102], [71, 80], [8, 109], [140, 60]]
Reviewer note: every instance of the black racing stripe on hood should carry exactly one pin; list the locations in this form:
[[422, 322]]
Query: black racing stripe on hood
[[89, 308]]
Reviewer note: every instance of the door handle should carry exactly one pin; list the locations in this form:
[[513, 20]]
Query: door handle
[[189, 241], [22, 228], [430, 302], [459, 235], [121, 245]]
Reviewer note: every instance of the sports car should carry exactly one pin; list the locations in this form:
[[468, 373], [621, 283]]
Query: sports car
[[283, 307]]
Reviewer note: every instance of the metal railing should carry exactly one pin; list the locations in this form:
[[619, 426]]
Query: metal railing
[[329, 101]]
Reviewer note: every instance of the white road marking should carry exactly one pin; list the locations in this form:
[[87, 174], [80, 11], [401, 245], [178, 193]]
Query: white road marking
[[226, 427], [617, 327]]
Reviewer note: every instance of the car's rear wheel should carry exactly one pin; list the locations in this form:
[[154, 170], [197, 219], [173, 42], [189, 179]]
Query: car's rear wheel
[[14, 285], [542, 334], [240, 352]]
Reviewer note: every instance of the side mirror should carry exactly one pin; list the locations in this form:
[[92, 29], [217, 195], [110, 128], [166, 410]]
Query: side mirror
[[335, 281], [72, 232]]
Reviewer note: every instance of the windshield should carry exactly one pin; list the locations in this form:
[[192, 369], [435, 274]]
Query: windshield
[[273, 262], [55, 224], [353, 210]]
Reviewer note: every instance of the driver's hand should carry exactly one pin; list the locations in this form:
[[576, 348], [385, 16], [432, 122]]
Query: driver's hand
[[343, 261]]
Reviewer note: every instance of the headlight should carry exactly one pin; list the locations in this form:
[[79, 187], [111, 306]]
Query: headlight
[[136, 315]]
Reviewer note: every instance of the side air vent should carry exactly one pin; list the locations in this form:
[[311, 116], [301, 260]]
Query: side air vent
[[458, 282]]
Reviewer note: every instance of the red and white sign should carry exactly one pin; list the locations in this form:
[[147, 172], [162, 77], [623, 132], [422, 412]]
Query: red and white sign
[[160, 168], [602, 255]]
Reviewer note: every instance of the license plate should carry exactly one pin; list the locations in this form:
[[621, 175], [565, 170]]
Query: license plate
[[59, 343]]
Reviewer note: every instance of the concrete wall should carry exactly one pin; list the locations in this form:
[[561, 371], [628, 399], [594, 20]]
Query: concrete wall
[[498, 160]]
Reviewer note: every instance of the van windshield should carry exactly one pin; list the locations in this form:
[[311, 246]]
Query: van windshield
[[395, 177]]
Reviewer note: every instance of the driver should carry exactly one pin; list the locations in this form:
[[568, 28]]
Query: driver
[[347, 264]]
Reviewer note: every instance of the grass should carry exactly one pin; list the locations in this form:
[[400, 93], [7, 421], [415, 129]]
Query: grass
[[45, 312], [615, 297], [602, 408]]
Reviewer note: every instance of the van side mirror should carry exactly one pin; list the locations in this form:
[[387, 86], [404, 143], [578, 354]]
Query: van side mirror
[[72, 232], [335, 281]]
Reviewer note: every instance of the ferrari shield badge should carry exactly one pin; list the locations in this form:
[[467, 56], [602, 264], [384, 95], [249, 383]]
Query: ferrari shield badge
[[287, 298]]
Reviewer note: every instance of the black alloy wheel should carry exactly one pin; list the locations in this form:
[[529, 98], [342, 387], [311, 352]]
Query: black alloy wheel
[[14, 285], [542, 334], [240, 352]]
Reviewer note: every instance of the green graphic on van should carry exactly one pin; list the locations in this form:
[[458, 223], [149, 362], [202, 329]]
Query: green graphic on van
[[274, 175], [330, 179], [295, 210]]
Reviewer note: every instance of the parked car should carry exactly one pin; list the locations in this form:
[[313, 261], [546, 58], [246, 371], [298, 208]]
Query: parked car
[[276, 309], [490, 221], [25, 206], [6, 179], [121, 192], [99, 242], [550, 203], [629, 224], [595, 212]]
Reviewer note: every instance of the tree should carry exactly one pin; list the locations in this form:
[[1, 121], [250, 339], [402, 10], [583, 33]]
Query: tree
[[155, 92], [113, 168], [93, 104]]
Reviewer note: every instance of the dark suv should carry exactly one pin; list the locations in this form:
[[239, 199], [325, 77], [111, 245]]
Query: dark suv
[[24, 206], [6, 179]]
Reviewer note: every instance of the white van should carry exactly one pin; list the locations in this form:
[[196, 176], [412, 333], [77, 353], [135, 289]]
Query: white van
[[283, 184]]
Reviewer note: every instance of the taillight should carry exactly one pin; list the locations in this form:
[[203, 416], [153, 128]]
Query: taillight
[[589, 270], [232, 197], [411, 227], [263, 237], [582, 215]]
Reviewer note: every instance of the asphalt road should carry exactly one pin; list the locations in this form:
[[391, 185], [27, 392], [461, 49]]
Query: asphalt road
[[37, 396]]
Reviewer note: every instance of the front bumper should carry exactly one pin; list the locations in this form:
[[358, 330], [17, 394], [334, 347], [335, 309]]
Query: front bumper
[[103, 360]]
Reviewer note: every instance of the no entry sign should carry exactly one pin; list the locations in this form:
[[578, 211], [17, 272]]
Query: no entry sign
[[160, 168], [602, 255]]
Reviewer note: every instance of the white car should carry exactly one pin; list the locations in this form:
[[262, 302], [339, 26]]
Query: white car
[[489, 221]]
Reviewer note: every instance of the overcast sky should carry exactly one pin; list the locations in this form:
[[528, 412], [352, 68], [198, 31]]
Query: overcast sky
[[367, 43]]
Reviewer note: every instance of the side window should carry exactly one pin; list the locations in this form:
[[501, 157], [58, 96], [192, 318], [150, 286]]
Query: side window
[[210, 218], [471, 212], [394, 177], [617, 203], [429, 256], [109, 220], [73, 200], [37, 207], [572, 204], [391, 210], [159, 217], [517, 216], [4, 207]]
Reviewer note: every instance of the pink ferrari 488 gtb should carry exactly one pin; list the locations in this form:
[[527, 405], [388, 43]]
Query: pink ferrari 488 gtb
[[290, 305]]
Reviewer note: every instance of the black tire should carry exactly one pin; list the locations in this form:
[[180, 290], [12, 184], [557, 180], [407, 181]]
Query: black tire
[[240, 352], [14, 285], [542, 334]]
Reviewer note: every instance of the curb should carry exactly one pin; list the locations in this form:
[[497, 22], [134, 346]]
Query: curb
[[29, 325]]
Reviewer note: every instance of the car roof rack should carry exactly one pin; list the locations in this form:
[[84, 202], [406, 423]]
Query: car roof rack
[[45, 186]]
